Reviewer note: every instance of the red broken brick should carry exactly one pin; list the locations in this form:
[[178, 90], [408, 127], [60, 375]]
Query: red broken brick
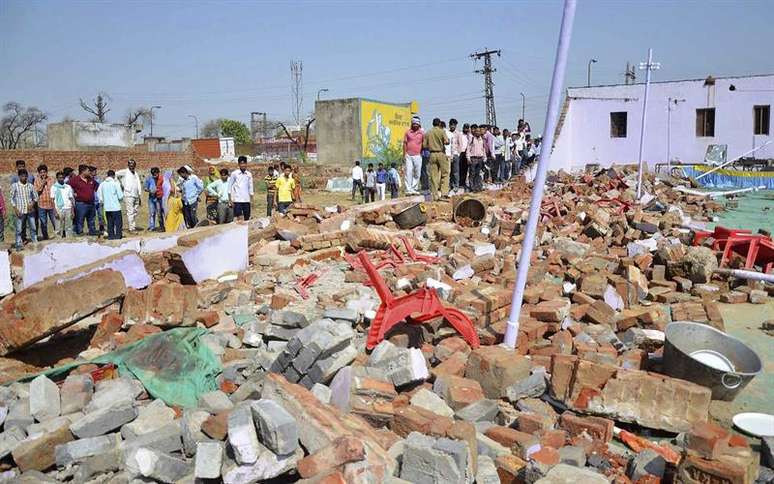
[[343, 450], [598, 427], [208, 318]]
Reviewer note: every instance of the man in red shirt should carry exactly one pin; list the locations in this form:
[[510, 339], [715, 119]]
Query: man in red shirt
[[412, 152], [84, 187]]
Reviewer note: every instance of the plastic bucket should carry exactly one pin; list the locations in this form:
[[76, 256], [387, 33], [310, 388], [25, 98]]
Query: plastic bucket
[[706, 356], [411, 217]]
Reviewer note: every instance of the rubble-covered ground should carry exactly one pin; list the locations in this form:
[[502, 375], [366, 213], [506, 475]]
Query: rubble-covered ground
[[238, 353]]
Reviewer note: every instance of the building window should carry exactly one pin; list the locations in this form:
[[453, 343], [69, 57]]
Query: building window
[[705, 122], [618, 125], [761, 118]]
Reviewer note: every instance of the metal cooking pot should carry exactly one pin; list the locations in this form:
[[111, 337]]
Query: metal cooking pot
[[706, 356]]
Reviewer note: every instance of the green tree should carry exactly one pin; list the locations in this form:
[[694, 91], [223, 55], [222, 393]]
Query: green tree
[[235, 129]]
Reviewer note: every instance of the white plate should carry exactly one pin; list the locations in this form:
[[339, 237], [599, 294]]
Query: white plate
[[757, 424]]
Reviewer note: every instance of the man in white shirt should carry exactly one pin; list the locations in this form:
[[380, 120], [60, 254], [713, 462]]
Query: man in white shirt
[[240, 188], [130, 181], [357, 180], [499, 155], [453, 152]]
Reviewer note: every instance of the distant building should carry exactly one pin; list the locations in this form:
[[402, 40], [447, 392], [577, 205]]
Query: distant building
[[356, 128], [79, 135], [214, 148], [601, 124]]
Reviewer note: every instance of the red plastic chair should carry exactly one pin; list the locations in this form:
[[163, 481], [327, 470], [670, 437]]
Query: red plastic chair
[[418, 307]]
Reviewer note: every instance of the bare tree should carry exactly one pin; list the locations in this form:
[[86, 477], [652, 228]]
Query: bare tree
[[98, 107], [297, 141], [211, 129], [18, 123], [141, 113]]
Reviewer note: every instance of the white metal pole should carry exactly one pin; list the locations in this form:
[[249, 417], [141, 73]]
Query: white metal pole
[[557, 82], [648, 68], [669, 135]]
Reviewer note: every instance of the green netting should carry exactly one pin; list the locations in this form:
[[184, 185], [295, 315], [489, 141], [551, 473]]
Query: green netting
[[174, 366], [754, 211]]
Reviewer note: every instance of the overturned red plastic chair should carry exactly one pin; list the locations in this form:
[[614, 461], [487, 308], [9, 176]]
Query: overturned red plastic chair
[[418, 307]]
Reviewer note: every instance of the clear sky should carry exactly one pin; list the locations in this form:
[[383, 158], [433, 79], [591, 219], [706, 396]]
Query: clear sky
[[228, 58]]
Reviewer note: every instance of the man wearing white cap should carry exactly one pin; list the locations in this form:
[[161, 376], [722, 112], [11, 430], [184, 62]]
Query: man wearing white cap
[[412, 153]]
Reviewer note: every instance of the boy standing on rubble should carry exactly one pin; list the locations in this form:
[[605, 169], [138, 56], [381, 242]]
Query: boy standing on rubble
[[285, 186], [23, 198], [64, 200]]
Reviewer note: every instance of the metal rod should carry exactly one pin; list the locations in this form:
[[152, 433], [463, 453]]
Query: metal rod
[[557, 81], [733, 160], [648, 69], [750, 275]]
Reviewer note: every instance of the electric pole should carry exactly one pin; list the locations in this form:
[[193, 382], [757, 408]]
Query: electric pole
[[648, 67], [296, 90], [629, 75], [489, 105]]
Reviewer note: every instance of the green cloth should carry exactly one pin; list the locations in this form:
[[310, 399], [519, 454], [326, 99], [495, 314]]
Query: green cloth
[[174, 366]]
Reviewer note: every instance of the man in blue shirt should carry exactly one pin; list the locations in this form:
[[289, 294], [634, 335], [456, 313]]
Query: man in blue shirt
[[192, 187], [110, 194]]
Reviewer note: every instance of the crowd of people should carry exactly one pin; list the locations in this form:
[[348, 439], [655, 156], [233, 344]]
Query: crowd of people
[[72, 202], [446, 160]]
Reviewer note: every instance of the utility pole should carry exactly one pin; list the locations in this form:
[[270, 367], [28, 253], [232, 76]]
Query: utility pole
[[629, 75], [523, 98], [296, 90], [648, 67], [489, 105], [588, 72], [196, 120], [151, 118]]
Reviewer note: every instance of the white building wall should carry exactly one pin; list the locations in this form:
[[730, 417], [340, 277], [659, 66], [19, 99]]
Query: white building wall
[[585, 135]]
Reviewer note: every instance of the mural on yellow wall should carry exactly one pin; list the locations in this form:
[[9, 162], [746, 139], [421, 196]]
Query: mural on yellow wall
[[382, 127]]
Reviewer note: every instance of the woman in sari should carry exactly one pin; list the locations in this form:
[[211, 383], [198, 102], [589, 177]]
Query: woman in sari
[[174, 221]]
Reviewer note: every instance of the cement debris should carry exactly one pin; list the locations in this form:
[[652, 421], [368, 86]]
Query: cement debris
[[286, 309]]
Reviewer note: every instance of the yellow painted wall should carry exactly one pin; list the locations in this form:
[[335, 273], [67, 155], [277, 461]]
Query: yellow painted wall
[[382, 124]]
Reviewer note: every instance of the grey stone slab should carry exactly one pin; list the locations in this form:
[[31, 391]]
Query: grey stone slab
[[78, 450], [277, 429], [9, 440], [479, 411], [209, 460], [242, 434], [111, 392], [19, 415], [215, 402], [166, 439], [104, 420], [191, 426], [151, 417], [159, 466], [44, 399]]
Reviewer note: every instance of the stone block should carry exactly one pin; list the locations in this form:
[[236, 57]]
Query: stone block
[[267, 466], [191, 429], [151, 417], [277, 429], [242, 435], [566, 474], [423, 463], [479, 411], [19, 415], [215, 402], [9, 440], [166, 439], [75, 393], [430, 401], [104, 420], [79, 450], [111, 392], [496, 368], [458, 392], [647, 463], [44, 399], [38, 453], [532, 386], [157, 465], [209, 460]]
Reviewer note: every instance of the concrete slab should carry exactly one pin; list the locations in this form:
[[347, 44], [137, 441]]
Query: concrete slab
[[224, 248], [6, 285]]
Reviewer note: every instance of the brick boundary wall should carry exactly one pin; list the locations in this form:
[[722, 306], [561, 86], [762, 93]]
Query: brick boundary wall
[[103, 160]]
